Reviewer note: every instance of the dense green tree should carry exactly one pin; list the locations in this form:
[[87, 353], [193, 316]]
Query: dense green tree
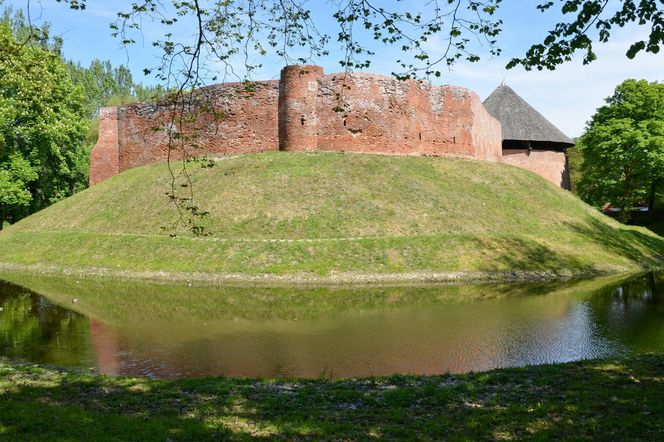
[[100, 81], [106, 85], [102, 84], [574, 160], [42, 128], [46, 103], [623, 148], [27, 34], [15, 175]]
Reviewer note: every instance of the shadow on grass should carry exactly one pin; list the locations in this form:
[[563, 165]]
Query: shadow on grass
[[641, 249], [653, 222], [589, 400], [633, 244], [524, 254]]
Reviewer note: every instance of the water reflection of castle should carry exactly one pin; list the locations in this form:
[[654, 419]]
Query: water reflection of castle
[[430, 340]]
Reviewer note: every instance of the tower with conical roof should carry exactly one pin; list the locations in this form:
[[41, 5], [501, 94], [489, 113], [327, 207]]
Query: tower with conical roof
[[530, 140]]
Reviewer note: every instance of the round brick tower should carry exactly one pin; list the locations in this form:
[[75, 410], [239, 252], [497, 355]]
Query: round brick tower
[[298, 99]]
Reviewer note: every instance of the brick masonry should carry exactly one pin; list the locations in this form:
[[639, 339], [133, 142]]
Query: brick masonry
[[549, 164], [104, 158], [306, 110]]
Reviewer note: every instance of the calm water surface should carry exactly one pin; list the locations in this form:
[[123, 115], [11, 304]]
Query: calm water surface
[[166, 331]]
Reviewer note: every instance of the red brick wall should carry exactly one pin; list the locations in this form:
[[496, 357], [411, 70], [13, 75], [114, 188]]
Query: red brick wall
[[239, 121], [549, 164], [298, 99], [384, 115], [485, 130], [306, 110], [104, 158]]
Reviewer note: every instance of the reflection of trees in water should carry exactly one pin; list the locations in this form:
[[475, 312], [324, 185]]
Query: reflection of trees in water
[[34, 329], [423, 330], [632, 312]]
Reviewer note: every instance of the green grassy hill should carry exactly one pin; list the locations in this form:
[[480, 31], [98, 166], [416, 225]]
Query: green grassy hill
[[332, 217]]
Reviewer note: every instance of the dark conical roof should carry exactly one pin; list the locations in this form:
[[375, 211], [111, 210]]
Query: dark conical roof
[[520, 121]]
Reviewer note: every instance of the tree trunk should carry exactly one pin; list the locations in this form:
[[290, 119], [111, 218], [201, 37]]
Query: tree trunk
[[624, 215], [651, 199], [651, 280]]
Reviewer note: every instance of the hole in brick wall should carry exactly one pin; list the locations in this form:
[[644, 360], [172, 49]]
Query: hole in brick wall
[[454, 140], [302, 121], [344, 122], [420, 134]]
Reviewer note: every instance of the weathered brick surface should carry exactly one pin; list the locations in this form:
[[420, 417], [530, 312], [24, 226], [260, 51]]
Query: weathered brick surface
[[306, 110], [552, 165], [298, 99], [485, 130], [385, 115], [223, 119], [104, 158]]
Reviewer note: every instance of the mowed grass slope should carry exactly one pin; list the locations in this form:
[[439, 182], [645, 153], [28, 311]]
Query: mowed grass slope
[[333, 215]]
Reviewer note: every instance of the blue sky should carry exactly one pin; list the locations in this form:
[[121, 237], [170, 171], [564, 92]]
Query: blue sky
[[567, 96]]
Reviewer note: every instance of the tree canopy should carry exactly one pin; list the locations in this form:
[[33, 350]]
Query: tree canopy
[[42, 126], [48, 109], [106, 85], [590, 21], [623, 148], [467, 28]]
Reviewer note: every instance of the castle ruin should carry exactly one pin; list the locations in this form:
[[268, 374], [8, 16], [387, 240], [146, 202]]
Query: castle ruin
[[307, 110]]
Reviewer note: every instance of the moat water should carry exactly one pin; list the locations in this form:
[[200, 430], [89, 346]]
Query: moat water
[[167, 331]]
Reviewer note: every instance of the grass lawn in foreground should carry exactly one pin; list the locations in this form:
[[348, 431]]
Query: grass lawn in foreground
[[611, 399]]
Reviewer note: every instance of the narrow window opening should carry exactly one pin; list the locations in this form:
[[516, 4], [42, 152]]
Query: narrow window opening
[[344, 122], [302, 121], [420, 136]]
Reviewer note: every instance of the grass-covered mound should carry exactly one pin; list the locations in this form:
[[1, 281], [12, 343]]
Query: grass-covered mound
[[332, 217], [612, 399]]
